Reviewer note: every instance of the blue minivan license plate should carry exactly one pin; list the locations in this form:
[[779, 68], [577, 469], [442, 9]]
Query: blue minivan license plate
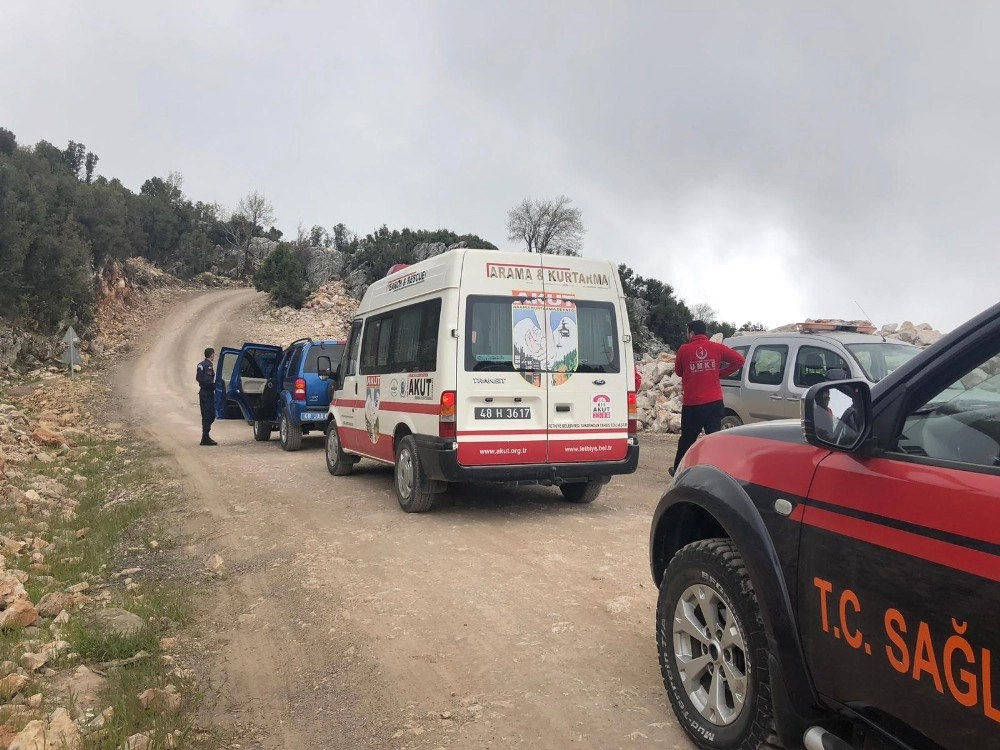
[[313, 416]]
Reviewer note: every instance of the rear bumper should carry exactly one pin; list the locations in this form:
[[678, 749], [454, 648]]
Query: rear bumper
[[439, 460]]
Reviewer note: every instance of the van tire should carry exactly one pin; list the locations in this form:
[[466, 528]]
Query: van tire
[[338, 463], [731, 420], [581, 492], [414, 491], [261, 431], [290, 435]]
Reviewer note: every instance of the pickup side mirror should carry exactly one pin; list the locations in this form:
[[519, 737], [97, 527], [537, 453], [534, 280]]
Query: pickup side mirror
[[838, 415], [324, 367]]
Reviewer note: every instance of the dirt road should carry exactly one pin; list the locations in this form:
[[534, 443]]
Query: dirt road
[[501, 619]]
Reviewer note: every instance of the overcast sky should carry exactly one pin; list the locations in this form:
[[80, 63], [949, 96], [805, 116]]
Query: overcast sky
[[774, 160]]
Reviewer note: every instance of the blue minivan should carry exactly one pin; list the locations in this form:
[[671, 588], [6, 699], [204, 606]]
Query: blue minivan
[[271, 387]]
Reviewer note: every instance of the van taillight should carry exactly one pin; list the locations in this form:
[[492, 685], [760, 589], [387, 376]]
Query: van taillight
[[300, 390], [633, 414], [446, 420]]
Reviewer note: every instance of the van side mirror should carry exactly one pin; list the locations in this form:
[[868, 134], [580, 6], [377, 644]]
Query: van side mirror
[[838, 415], [324, 367], [837, 373]]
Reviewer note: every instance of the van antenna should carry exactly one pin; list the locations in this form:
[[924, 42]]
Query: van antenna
[[869, 319]]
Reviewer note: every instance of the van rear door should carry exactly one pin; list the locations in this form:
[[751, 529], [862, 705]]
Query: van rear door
[[502, 405], [588, 373]]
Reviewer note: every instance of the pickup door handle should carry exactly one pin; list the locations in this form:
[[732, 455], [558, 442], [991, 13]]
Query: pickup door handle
[[793, 398], [775, 397]]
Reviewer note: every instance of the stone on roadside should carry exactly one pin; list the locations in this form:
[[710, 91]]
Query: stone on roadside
[[21, 613], [161, 700], [117, 621]]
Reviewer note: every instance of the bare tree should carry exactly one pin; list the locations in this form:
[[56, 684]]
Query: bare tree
[[703, 311], [547, 226], [250, 219]]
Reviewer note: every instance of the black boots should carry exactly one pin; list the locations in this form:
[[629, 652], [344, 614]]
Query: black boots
[[206, 440]]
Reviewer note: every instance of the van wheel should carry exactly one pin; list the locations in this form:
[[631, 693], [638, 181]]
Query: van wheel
[[731, 420], [289, 434], [338, 463], [581, 492], [713, 649], [261, 431], [414, 491]]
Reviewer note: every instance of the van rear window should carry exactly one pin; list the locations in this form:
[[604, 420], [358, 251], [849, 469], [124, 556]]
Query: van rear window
[[515, 334]]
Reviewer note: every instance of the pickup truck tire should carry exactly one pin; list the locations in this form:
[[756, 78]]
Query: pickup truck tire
[[261, 431], [713, 649], [414, 491], [581, 492], [290, 435], [338, 463]]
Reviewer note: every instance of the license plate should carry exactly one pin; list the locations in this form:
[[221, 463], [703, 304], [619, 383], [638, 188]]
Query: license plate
[[503, 412], [313, 416]]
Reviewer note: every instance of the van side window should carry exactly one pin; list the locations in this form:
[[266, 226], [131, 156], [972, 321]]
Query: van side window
[[415, 335], [350, 354], [369, 345], [767, 366], [735, 377], [404, 340], [812, 362]]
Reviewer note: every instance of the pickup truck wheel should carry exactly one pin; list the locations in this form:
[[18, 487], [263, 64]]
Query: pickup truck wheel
[[290, 435], [261, 431], [414, 491], [712, 646], [337, 462], [581, 492]]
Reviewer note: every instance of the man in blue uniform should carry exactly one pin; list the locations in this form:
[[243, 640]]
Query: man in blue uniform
[[206, 395]]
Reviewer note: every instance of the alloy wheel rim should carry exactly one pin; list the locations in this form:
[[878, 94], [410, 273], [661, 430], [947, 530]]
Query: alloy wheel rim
[[710, 654], [404, 473], [332, 445]]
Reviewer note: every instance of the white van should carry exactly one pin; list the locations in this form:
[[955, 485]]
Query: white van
[[488, 365]]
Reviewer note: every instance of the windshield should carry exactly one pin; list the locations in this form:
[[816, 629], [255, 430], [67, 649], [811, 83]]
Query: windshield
[[980, 387], [560, 336], [880, 358]]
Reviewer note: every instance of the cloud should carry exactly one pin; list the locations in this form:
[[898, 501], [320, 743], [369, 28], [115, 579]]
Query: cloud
[[772, 161]]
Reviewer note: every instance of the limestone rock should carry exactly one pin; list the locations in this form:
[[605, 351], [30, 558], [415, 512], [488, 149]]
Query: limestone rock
[[21, 613], [161, 700], [118, 621]]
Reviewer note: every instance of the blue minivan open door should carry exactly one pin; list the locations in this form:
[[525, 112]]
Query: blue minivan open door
[[224, 409], [254, 366]]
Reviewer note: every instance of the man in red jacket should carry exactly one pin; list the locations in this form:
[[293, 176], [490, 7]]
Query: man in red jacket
[[699, 364]]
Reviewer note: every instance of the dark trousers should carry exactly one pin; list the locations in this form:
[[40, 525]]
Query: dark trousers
[[206, 399], [694, 419]]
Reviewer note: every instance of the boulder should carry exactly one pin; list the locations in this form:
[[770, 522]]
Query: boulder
[[21, 613], [118, 621]]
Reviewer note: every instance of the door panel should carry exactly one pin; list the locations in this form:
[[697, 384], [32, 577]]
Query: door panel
[[347, 392], [763, 393], [254, 366], [501, 410], [224, 409], [899, 590]]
